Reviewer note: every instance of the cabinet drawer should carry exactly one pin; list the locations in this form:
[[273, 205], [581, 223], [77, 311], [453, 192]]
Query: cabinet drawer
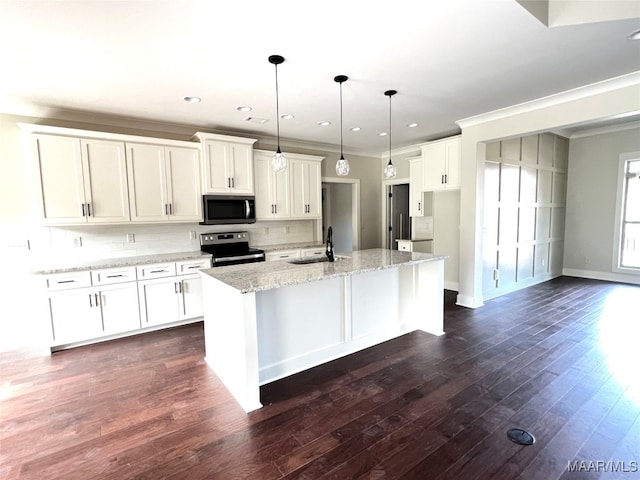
[[313, 252], [189, 266], [107, 276], [156, 270], [282, 255], [64, 281]]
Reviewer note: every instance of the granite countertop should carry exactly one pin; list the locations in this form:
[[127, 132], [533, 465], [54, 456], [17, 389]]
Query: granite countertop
[[119, 262], [256, 277], [290, 246]]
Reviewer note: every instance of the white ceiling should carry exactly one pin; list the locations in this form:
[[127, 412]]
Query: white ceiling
[[448, 59]]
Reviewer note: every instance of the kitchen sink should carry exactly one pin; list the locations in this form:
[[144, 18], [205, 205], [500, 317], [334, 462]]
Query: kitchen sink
[[305, 261]]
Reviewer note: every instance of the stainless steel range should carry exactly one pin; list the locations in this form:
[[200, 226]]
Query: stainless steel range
[[230, 248]]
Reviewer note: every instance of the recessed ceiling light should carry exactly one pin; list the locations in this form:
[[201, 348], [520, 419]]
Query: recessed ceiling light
[[412, 125], [355, 129], [192, 99], [256, 120], [243, 108], [286, 116], [383, 134], [634, 35], [324, 123]]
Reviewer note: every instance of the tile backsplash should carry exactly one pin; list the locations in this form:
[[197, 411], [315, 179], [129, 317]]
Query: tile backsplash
[[79, 243]]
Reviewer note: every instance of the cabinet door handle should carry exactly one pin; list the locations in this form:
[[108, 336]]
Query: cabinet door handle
[[272, 208], [166, 209], [180, 286], [83, 212], [418, 206], [171, 209], [233, 182], [228, 182], [446, 178], [96, 296], [194, 266], [90, 302], [115, 276], [157, 271], [88, 209], [66, 281]]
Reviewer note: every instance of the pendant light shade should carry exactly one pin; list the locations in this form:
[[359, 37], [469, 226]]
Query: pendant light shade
[[279, 161], [342, 165], [390, 170]]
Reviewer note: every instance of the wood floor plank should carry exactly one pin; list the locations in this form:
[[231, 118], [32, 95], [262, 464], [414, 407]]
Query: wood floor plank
[[418, 406]]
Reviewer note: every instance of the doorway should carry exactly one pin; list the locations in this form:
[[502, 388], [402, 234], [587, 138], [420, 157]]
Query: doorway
[[398, 220], [340, 210]]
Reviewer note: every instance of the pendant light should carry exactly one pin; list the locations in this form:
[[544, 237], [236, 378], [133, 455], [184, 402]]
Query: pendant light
[[390, 170], [279, 161], [342, 165]]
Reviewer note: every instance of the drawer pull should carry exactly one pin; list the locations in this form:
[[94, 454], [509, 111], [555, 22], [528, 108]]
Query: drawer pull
[[66, 281], [157, 271], [115, 276], [194, 266]]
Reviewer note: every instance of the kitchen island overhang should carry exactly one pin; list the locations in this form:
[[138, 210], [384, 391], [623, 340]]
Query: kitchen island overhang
[[265, 321]]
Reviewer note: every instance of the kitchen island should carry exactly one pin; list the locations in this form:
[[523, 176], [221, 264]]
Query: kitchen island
[[265, 321]]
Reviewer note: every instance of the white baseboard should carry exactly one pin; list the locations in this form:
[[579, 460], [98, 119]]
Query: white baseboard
[[606, 276], [469, 301]]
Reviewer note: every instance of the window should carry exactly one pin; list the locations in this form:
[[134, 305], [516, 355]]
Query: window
[[627, 255]]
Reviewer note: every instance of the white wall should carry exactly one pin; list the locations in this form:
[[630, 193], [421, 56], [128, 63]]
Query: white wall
[[615, 97], [340, 216], [591, 202]]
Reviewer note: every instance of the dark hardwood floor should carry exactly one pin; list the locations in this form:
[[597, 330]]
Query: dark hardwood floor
[[560, 359]]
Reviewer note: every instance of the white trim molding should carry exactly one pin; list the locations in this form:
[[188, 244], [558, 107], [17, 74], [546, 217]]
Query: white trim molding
[[605, 276], [623, 81]]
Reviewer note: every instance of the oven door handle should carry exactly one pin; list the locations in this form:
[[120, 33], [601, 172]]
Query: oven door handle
[[222, 260]]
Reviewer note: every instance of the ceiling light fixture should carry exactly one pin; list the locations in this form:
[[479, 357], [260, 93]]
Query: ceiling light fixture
[[279, 161], [324, 123], [243, 108], [382, 134], [286, 116], [634, 35], [342, 165], [412, 125], [355, 129], [390, 170], [192, 99]]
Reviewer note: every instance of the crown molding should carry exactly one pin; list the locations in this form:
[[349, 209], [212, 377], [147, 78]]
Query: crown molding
[[604, 130], [616, 83]]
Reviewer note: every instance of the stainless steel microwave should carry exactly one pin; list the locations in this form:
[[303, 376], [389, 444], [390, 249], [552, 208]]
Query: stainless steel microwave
[[228, 209]]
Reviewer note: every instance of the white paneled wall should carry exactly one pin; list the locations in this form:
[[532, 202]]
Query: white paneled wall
[[524, 211]]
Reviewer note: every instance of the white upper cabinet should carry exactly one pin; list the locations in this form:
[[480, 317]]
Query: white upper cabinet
[[164, 183], [416, 201], [227, 164], [271, 189], [441, 164], [80, 180], [84, 177], [306, 188]]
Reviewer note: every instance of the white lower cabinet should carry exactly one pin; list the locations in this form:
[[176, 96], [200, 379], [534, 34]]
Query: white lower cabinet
[[170, 297], [74, 316], [78, 314], [295, 253], [118, 303], [282, 255], [87, 306]]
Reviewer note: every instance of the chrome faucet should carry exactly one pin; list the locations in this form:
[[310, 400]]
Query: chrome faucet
[[329, 252]]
